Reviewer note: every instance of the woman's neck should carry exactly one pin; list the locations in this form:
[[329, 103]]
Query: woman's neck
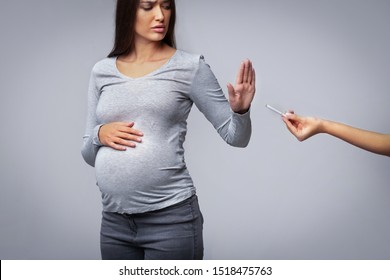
[[147, 52]]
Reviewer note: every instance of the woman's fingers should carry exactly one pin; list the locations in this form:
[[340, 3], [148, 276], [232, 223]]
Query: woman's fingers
[[246, 73], [119, 144], [128, 136], [252, 76], [240, 74], [130, 130], [125, 143], [249, 72], [290, 126], [120, 135]]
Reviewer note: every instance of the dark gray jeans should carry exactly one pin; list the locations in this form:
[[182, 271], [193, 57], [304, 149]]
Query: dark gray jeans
[[172, 233]]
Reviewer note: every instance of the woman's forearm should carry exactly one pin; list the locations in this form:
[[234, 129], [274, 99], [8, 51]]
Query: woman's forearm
[[367, 140]]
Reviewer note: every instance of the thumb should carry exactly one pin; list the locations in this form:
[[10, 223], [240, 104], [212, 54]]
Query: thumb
[[288, 119], [231, 90], [292, 116]]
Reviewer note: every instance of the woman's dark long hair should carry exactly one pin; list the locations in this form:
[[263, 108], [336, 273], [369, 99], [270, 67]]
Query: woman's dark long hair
[[126, 13]]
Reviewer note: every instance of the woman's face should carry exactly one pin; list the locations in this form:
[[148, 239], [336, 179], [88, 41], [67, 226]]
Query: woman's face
[[152, 20]]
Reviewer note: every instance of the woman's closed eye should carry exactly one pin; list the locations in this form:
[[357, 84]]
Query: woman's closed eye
[[167, 6], [147, 6]]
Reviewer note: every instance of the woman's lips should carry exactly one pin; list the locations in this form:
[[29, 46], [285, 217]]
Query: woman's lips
[[159, 29]]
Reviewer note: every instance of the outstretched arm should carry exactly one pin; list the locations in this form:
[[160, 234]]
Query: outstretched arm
[[231, 118], [305, 127]]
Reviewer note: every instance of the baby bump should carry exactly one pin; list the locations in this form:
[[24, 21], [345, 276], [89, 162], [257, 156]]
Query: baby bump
[[140, 169]]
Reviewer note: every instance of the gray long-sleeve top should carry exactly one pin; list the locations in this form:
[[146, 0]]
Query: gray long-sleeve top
[[154, 174]]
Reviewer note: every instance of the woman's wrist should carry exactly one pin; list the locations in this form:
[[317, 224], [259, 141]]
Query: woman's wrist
[[326, 126], [241, 112]]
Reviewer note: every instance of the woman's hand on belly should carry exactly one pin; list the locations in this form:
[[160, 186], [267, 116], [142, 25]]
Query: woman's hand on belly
[[119, 135]]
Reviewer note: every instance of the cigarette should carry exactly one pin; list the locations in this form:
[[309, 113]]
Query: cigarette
[[275, 110]]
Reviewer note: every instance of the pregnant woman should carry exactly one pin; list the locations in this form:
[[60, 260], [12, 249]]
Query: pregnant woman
[[138, 102]]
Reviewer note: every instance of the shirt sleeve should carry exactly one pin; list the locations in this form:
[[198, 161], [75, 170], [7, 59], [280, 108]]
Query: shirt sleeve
[[91, 143], [206, 93]]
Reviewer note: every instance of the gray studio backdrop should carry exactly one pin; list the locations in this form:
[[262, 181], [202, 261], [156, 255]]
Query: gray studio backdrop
[[276, 199]]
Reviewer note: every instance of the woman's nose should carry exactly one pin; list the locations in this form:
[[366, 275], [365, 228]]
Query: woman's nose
[[159, 15]]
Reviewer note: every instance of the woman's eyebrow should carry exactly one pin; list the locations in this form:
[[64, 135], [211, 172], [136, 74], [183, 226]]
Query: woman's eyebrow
[[148, 1], [154, 1]]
